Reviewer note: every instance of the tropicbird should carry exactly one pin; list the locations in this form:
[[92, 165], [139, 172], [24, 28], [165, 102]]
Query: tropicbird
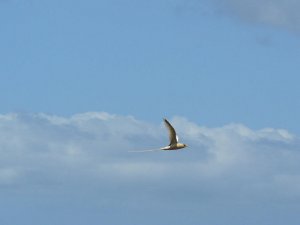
[[174, 144]]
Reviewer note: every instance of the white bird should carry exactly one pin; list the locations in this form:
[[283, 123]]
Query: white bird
[[174, 145]]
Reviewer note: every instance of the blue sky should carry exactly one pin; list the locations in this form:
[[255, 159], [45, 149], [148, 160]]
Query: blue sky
[[65, 57], [83, 82]]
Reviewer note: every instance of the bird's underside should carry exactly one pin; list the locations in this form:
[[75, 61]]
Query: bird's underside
[[174, 147]]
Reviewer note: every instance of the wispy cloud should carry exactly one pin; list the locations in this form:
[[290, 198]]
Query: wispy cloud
[[278, 13]]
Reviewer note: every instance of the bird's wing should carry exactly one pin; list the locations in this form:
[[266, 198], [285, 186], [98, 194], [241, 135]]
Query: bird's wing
[[172, 133]]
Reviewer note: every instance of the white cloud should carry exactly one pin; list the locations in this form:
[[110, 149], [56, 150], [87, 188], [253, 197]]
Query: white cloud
[[233, 160], [278, 13]]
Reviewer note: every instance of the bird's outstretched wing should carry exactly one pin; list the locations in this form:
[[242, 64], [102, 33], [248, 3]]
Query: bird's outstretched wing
[[172, 133]]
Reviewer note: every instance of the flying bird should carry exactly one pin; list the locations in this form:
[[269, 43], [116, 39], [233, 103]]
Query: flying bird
[[174, 144]]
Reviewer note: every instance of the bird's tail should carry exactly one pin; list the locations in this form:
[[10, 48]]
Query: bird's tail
[[149, 150]]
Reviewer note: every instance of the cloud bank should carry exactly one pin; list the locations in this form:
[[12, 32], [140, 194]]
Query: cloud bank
[[278, 13], [228, 165], [97, 144]]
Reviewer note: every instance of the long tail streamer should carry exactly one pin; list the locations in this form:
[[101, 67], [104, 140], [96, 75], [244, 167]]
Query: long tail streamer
[[150, 150]]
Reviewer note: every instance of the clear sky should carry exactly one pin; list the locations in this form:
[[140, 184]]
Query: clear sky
[[83, 82]]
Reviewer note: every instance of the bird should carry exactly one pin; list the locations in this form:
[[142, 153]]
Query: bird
[[174, 144]]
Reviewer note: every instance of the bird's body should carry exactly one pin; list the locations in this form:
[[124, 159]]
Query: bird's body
[[174, 145]]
